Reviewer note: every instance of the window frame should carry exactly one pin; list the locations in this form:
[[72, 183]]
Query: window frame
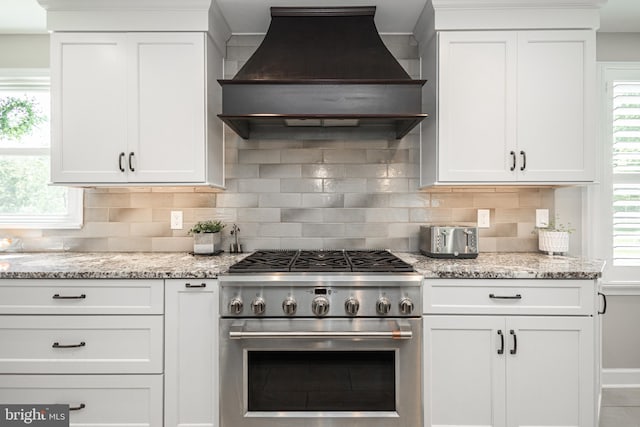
[[600, 206], [30, 78]]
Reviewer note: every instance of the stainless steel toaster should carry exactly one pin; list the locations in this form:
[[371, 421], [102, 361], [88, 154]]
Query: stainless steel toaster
[[449, 241]]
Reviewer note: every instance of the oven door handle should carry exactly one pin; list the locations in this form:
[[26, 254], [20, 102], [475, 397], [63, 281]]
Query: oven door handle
[[403, 332]]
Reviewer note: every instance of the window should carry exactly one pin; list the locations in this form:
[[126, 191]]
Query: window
[[620, 183], [26, 198]]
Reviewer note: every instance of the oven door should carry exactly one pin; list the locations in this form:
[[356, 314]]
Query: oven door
[[320, 372]]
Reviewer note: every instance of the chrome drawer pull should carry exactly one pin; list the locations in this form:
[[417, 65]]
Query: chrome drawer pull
[[77, 408], [189, 285], [58, 345], [516, 296], [58, 296]]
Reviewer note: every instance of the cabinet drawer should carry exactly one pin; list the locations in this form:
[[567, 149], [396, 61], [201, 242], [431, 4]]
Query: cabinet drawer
[[109, 400], [81, 344], [67, 296], [500, 296]]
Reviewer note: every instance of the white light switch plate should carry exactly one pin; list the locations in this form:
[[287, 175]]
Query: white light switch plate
[[542, 217], [176, 220], [484, 220]]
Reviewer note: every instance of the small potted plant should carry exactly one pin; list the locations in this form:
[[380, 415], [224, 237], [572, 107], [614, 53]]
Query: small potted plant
[[554, 237], [206, 237]]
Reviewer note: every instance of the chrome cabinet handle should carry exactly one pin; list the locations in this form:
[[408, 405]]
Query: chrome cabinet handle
[[58, 296], [515, 342], [501, 351], [131, 154], [58, 345], [189, 285], [77, 408], [524, 160], [513, 161], [120, 157], [516, 296], [604, 303]]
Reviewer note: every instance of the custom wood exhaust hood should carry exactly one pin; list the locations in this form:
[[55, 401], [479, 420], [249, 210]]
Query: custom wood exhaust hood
[[322, 73]]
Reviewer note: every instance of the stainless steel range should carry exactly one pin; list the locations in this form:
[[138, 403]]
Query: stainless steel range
[[320, 338]]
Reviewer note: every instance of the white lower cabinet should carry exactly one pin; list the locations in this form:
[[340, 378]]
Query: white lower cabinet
[[94, 400], [509, 370], [96, 345], [191, 353]]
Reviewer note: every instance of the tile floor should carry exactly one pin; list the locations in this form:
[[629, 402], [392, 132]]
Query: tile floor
[[620, 407]]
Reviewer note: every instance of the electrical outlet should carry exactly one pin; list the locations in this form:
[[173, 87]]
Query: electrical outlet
[[176, 220], [542, 217], [484, 220]]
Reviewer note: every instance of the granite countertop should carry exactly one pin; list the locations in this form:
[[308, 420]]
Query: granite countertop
[[176, 265], [514, 265], [114, 265]]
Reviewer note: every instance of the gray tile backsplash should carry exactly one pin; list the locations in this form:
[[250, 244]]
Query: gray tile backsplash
[[302, 194]]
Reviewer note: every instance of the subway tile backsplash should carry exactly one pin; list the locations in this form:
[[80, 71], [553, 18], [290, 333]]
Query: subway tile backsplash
[[302, 194]]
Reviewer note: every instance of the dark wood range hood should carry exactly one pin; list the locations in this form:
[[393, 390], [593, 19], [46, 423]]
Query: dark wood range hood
[[322, 73]]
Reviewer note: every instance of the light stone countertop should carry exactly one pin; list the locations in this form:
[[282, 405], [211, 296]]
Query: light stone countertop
[[177, 265], [114, 265], [528, 265]]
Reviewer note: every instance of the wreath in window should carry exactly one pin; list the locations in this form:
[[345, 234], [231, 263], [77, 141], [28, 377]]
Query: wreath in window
[[18, 117]]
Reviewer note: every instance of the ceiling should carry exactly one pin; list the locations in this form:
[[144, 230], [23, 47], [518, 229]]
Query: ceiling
[[252, 16]]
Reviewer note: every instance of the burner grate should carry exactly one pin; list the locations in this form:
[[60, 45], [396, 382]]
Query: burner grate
[[376, 261], [325, 260], [265, 261], [361, 261]]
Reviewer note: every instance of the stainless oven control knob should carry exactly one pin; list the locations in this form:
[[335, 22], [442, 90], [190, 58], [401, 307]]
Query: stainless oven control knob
[[258, 305], [406, 306], [383, 306], [351, 306], [320, 306], [235, 306], [289, 306]]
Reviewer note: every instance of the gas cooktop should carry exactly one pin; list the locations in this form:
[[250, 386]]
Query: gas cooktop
[[277, 261]]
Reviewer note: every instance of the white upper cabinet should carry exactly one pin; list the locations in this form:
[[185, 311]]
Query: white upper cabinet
[[512, 107], [88, 114], [132, 108], [556, 106], [477, 105]]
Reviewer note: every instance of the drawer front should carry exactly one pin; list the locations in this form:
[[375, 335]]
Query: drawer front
[[81, 344], [500, 296], [100, 400], [66, 296]]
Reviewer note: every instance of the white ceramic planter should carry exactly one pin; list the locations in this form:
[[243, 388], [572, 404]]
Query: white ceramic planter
[[553, 241], [206, 243]]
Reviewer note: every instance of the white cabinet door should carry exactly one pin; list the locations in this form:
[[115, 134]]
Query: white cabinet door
[[167, 107], [191, 353], [476, 110], [129, 107], [550, 376], [464, 376], [543, 376], [89, 113], [556, 82], [516, 106]]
